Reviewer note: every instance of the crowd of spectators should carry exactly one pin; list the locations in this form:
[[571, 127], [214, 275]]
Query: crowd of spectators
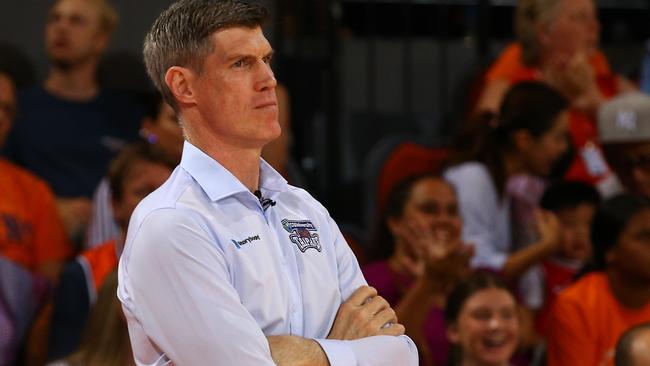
[[530, 247]]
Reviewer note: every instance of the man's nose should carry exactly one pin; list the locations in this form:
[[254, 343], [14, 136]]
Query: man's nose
[[267, 78]]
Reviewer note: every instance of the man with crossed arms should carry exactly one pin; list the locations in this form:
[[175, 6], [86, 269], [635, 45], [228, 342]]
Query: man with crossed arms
[[227, 264]]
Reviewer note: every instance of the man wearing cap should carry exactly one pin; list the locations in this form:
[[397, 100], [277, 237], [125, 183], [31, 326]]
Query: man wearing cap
[[226, 264], [624, 128]]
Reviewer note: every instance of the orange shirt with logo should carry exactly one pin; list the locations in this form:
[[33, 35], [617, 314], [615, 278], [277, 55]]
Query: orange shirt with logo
[[31, 231], [586, 322]]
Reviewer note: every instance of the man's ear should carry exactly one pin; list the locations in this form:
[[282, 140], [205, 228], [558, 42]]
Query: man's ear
[[179, 81]]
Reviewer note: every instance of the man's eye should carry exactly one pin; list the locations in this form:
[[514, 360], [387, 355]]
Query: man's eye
[[239, 63], [268, 59]]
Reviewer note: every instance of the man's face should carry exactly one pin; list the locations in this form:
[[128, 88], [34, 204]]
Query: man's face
[[235, 92], [574, 29], [632, 164], [630, 256], [576, 231], [7, 106], [73, 34]]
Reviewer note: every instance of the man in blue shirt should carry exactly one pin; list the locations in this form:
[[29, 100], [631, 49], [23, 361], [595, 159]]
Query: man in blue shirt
[[69, 128], [227, 264]]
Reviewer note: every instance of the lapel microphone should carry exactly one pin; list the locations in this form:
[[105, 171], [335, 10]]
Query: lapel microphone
[[265, 202]]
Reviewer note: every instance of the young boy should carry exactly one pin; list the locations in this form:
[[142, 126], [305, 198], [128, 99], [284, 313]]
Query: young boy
[[575, 204]]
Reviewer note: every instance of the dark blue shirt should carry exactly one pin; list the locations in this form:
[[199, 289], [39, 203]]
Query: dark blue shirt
[[70, 144]]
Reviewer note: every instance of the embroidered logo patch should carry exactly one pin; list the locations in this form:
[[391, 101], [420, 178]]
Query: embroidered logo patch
[[241, 243], [300, 233]]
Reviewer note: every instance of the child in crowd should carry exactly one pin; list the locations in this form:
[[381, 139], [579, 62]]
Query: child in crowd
[[159, 127], [482, 322], [575, 204], [137, 171], [589, 316]]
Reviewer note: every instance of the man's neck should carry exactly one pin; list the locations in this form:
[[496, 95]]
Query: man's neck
[[632, 293], [76, 83], [243, 163]]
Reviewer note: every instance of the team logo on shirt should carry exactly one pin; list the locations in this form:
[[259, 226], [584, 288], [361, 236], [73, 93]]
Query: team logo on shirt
[[300, 233]]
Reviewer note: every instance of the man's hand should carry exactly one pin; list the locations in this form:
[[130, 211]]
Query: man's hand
[[363, 315]]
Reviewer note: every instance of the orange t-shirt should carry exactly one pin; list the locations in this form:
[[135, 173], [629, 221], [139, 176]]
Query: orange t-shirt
[[586, 322], [31, 231], [582, 127], [99, 262]]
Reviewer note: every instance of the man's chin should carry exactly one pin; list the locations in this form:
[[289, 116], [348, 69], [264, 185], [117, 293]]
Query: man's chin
[[62, 64]]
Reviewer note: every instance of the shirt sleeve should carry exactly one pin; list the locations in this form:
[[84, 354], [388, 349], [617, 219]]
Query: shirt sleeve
[[178, 289], [378, 350], [568, 340], [478, 208]]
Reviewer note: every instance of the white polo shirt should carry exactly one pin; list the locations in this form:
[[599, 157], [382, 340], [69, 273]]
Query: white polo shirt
[[207, 273]]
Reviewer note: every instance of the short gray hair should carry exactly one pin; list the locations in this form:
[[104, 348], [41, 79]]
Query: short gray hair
[[180, 36], [529, 14]]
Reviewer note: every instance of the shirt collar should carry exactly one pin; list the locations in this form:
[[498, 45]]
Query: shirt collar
[[218, 182]]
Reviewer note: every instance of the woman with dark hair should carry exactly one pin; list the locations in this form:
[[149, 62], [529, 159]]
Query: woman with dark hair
[[527, 137], [418, 259], [482, 322], [590, 315], [557, 44]]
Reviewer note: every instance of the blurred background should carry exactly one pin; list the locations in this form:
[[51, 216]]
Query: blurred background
[[357, 72]]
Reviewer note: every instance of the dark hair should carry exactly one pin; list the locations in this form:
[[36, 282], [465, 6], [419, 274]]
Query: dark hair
[[126, 160], [623, 355], [456, 300], [180, 36], [530, 106], [569, 195], [610, 221], [383, 245]]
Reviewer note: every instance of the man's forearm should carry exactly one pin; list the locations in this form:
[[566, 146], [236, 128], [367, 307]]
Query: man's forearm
[[289, 350]]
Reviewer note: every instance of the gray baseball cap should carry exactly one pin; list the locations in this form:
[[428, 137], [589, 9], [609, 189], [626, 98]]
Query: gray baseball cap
[[625, 118]]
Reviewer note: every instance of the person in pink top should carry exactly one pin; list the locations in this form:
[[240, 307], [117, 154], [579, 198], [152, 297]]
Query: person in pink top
[[418, 258]]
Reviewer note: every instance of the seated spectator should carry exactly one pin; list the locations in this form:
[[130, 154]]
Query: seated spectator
[[575, 204], [137, 171], [557, 43], [419, 258], [589, 316], [160, 127], [482, 322], [105, 339], [69, 128], [528, 137], [624, 127], [633, 348], [31, 232]]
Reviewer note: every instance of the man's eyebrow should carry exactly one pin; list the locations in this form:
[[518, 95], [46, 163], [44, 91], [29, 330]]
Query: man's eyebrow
[[238, 56]]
